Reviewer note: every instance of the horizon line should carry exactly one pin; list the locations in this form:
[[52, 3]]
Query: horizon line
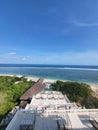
[[45, 64]]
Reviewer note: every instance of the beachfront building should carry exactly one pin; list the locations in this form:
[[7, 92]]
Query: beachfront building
[[51, 110], [33, 90]]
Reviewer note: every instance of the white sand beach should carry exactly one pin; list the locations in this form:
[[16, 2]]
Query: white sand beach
[[28, 77], [94, 87], [31, 78], [45, 79]]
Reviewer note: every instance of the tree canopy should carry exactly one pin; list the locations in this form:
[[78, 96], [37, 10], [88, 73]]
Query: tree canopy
[[77, 92], [11, 88]]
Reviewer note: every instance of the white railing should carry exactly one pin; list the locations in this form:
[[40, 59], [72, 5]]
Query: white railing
[[75, 110]]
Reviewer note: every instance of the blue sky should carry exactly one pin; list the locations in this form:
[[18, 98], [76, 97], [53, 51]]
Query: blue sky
[[49, 31]]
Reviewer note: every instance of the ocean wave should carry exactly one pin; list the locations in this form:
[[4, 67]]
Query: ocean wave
[[79, 69], [62, 68]]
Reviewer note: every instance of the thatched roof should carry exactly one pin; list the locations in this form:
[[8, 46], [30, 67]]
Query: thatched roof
[[36, 88]]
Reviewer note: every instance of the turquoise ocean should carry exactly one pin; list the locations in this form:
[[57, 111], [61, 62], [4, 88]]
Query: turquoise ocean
[[79, 73]]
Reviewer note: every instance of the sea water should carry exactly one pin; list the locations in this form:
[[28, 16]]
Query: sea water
[[78, 73]]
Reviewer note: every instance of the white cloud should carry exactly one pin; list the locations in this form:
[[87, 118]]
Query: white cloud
[[12, 53], [27, 58], [83, 24], [82, 58], [24, 58], [12, 57]]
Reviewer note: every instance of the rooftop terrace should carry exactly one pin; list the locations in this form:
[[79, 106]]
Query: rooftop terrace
[[51, 110], [49, 100], [52, 120]]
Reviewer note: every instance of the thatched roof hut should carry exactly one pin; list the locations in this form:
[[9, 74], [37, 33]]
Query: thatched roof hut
[[36, 88]]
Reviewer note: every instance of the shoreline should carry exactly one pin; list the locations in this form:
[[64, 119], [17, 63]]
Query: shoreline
[[31, 78], [93, 86]]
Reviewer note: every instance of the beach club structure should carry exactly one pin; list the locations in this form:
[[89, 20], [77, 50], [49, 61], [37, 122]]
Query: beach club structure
[[51, 110]]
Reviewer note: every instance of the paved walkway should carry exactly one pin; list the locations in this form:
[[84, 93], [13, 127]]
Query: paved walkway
[[80, 123]]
